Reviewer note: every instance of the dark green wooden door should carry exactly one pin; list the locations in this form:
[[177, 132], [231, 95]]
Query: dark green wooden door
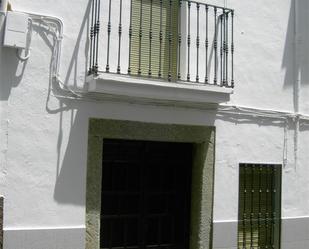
[[259, 206]]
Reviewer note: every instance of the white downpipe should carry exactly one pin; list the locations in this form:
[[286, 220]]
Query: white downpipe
[[297, 84]]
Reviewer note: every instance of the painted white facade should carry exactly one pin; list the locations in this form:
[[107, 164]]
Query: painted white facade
[[43, 138]]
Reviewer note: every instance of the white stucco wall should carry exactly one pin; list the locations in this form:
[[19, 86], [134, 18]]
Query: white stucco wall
[[43, 140]]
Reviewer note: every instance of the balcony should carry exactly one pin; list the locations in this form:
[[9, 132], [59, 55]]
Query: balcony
[[165, 50]]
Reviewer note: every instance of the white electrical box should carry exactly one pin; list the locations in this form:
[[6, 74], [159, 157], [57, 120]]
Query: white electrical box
[[16, 30]]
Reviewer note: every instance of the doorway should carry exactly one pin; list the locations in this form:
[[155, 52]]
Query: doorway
[[179, 142], [146, 194]]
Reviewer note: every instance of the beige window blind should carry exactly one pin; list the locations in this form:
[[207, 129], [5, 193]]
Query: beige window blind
[[147, 55]]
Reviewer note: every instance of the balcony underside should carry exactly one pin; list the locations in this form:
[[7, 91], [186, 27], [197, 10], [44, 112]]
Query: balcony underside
[[143, 90]]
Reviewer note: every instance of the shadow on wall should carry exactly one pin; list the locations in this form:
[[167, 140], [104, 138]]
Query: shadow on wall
[[70, 185], [84, 30], [299, 24], [70, 182], [72, 165], [71, 170], [12, 69]]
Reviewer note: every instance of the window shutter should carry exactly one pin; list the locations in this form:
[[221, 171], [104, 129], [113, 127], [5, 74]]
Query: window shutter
[[141, 56], [259, 206]]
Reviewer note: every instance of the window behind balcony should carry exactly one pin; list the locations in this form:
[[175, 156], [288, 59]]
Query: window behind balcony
[[154, 22], [259, 206]]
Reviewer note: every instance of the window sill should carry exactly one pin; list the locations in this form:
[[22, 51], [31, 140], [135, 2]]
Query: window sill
[[122, 87]]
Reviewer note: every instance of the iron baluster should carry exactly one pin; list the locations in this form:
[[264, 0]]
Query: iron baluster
[[197, 40], [94, 35], [119, 37], [150, 39], [139, 72], [97, 37], [91, 38], [169, 77], [130, 39], [215, 46], [109, 27], [189, 40], [179, 39], [206, 46], [160, 40]]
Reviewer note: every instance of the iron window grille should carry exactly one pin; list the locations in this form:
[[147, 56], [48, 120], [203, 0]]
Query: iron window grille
[[172, 40], [146, 190], [259, 206]]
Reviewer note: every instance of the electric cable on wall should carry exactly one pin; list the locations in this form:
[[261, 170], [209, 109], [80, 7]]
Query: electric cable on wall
[[27, 50]]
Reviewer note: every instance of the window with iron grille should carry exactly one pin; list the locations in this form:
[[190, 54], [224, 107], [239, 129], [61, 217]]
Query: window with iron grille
[[259, 206], [145, 194]]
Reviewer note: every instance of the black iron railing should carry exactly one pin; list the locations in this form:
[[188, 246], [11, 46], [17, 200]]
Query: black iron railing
[[173, 40]]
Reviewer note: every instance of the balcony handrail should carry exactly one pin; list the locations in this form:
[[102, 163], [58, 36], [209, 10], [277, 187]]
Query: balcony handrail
[[209, 5]]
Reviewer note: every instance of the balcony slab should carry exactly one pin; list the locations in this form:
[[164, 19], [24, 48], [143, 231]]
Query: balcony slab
[[139, 89]]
